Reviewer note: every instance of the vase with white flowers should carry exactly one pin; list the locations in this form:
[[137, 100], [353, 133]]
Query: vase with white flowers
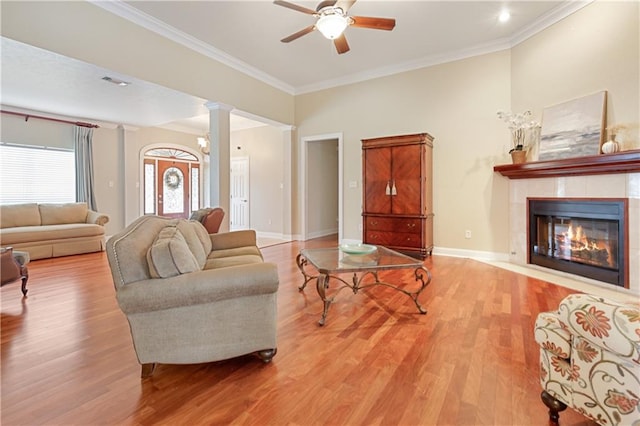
[[522, 129]]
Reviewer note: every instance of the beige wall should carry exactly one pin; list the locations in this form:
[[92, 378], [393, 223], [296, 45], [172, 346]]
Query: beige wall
[[595, 49], [264, 147], [36, 132], [454, 102]]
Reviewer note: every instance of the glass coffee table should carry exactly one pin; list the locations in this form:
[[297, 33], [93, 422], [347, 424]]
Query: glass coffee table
[[361, 260]]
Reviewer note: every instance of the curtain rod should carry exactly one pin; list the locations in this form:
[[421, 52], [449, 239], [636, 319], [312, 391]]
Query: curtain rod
[[28, 116]]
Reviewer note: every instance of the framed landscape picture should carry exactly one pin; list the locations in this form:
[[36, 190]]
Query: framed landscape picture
[[574, 128]]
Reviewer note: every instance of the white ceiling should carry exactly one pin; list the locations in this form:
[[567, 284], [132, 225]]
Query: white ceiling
[[246, 35]]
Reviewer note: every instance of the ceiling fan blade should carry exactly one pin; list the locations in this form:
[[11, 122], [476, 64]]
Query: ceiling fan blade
[[374, 23], [294, 7], [341, 44], [345, 5], [298, 34]]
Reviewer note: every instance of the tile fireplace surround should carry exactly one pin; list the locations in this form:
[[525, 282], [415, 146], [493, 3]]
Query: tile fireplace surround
[[569, 181]]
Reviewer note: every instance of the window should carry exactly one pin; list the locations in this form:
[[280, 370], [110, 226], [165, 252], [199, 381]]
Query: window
[[36, 175]]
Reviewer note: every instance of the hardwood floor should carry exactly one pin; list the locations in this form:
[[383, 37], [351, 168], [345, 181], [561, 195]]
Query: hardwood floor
[[67, 356]]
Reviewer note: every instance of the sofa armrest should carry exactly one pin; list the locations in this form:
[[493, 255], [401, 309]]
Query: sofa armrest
[[233, 239], [552, 335], [199, 287], [608, 324], [97, 218]]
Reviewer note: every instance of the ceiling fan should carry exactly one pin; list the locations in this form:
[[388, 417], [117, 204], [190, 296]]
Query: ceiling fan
[[332, 20]]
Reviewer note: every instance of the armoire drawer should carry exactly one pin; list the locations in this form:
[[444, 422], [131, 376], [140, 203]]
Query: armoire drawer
[[394, 239], [393, 224]]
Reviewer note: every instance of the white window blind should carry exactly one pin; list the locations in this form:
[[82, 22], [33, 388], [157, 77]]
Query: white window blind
[[34, 174]]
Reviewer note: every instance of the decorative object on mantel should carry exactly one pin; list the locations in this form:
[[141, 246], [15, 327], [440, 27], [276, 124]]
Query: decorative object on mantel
[[611, 146], [618, 135], [524, 133], [574, 128]]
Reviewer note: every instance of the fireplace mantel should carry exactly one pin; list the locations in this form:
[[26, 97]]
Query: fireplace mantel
[[620, 162]]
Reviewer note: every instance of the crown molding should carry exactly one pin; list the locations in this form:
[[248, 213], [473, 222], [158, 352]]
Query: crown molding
[[545, 21], [123, 10], [425, 62]]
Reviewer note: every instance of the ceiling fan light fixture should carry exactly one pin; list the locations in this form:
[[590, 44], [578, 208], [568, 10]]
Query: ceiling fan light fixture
[[332, 24]]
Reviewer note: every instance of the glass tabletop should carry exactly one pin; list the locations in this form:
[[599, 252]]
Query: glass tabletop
[[334, 260]]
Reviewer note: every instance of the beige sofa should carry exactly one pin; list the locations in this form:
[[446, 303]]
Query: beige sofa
[[191, 297], [52, 230]]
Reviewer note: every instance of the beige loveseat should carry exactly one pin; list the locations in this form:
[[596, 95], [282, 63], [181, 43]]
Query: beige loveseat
[[52, 230], [191, 297]]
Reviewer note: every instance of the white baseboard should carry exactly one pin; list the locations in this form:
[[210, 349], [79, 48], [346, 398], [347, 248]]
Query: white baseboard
[[472, 254], [275, 235], [323, 233]]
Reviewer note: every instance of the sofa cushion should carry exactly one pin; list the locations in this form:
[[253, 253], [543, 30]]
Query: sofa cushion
[[28, 234], [169, 255], [54, 214], [225, 262], [223, 258], [236, 251], [12, 215]]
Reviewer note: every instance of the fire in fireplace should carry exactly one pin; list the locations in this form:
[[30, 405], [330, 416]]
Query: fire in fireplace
[[585, 237]]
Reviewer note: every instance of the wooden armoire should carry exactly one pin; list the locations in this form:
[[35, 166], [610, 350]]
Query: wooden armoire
[[398, 193]]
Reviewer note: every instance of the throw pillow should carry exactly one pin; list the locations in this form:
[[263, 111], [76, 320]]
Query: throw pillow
[[169, 255], [197, 239]]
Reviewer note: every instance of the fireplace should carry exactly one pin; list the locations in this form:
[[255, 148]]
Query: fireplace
[[586, 237]]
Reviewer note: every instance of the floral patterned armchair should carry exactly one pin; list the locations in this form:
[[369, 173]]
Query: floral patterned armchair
[[590, 359]]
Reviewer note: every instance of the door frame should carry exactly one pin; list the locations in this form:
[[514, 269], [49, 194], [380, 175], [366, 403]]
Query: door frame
[[303, 189]]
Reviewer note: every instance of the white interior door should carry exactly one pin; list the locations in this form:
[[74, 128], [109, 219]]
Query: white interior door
[[239, 218]]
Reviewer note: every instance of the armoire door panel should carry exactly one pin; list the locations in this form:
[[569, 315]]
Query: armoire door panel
[[406, 163], [377, 181]]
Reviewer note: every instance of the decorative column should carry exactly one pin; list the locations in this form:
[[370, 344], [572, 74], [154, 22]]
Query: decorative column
[[219, 158], [287, 154], [132, 174]]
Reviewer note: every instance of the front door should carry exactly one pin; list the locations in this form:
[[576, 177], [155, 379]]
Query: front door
[[173, 189]]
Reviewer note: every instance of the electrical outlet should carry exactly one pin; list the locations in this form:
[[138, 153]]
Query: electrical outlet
[[467, 234]]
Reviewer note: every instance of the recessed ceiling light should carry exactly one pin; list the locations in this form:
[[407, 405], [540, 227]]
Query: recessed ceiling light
[[504, 16], [115, 81]]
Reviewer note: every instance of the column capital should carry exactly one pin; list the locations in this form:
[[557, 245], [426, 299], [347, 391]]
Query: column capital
[[218, 106]]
